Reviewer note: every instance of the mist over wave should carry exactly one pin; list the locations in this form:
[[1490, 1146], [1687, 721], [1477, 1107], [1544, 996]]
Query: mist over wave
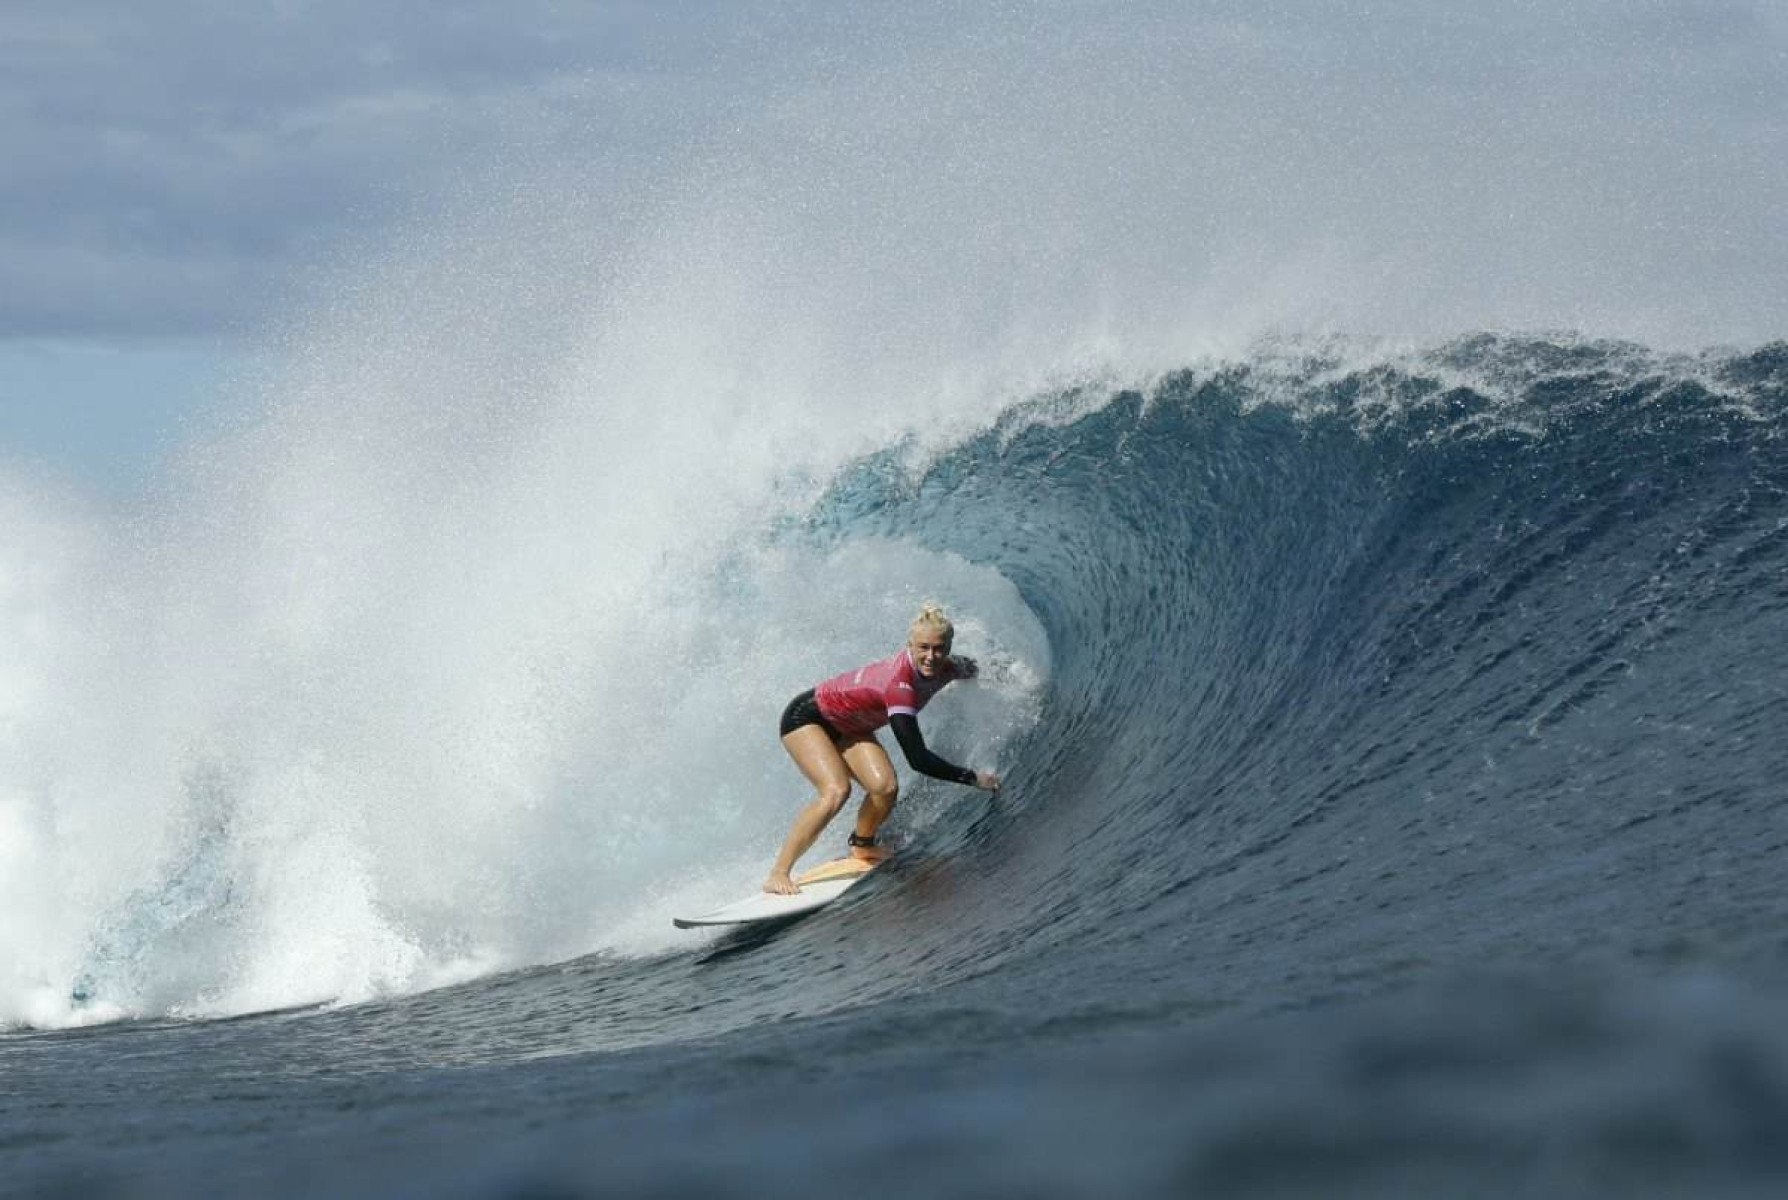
[[358, 716]]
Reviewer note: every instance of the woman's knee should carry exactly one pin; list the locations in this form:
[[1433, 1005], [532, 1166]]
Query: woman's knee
[[885, 793], [833, 796]]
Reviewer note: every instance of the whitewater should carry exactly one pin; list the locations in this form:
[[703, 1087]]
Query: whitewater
[[1379, 576]]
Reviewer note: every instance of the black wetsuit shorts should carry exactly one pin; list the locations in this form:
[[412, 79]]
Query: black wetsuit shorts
[[804, 710]]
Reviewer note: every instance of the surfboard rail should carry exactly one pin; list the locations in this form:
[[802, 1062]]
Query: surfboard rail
[[819, 887]]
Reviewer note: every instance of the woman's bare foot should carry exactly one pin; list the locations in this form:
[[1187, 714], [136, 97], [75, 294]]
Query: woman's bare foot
[[779, 884]]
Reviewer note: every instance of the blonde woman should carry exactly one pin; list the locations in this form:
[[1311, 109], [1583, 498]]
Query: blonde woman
[[829, 731]]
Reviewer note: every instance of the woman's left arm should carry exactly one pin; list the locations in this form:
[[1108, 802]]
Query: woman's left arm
[[920, 757]]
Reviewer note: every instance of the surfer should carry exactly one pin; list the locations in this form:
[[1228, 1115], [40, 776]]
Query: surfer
[[829, 731]]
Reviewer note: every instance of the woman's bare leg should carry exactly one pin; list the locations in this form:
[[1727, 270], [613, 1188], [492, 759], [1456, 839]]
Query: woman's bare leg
[[814, 752], [869, 764]]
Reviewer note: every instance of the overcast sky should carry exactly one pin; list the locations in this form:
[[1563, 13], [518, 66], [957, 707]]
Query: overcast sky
[[177, 172], [182, 176]]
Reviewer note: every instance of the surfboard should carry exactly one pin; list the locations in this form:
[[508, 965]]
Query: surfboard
[[819, 887]]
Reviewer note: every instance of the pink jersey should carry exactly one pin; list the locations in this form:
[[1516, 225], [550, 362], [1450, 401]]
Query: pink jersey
[[860, 702]]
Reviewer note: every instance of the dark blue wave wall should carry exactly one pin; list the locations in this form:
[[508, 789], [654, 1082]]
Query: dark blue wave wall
[[1473, 659]]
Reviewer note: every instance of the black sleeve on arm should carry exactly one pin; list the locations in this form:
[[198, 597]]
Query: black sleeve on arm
[[912, 744]]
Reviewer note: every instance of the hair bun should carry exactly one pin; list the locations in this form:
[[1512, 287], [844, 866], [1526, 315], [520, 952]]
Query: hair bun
[[932, 616]]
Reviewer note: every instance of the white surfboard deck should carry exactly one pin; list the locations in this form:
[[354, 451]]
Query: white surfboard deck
[[819, 887]]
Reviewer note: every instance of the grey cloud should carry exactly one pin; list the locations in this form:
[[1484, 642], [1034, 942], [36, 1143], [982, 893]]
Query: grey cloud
[[167, 165], [173, 168]]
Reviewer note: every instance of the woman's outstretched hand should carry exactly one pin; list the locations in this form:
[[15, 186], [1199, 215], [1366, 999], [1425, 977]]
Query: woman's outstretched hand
[[987, 781]]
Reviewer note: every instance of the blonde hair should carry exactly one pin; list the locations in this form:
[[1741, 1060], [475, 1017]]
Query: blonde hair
[[931, 616]]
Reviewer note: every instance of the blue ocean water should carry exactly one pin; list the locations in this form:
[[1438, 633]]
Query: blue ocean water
[[1394, 807]]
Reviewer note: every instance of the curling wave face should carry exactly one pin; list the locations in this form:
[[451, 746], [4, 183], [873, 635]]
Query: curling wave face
[[1366, 670]]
